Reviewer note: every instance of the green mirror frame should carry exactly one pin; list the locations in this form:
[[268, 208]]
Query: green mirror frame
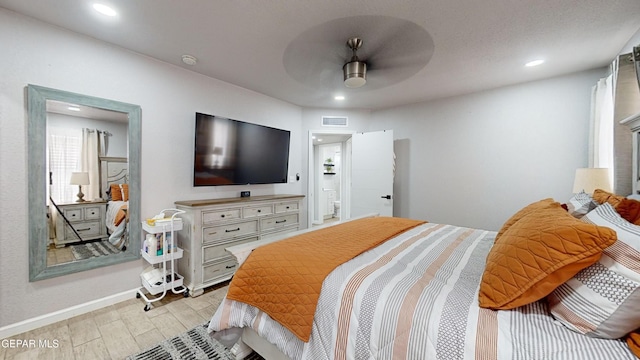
[[37, 97]]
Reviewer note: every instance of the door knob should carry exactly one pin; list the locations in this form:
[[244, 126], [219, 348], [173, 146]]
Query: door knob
[[388, 197]]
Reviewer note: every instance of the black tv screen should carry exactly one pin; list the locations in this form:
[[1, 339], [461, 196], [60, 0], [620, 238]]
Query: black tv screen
[[232, 152]]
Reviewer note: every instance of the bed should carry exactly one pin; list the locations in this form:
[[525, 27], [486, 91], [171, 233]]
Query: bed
[[114, 176], [415, 296]]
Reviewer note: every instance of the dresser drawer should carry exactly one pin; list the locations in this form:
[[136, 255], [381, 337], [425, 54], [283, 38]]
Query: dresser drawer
[[92, 213], [73, 214], [250, 212], [220, 215], [286, 207], [218, 269], [230, 231], [278, 222], [89, 228], [215, 251]]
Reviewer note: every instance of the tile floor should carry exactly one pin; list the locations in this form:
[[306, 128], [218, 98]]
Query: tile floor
[[116, 331]]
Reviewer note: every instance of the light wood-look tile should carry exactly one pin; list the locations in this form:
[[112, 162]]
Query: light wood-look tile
[[168, 325], [119, 330], [105, 315], [118, 339], [83, 331], [137, 322], [94, 349], [149, 338]]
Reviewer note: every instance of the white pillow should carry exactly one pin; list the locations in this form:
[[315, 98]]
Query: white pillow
[[603, 300]]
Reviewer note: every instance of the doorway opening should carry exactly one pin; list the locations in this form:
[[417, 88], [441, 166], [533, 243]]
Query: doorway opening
[[329, 175]]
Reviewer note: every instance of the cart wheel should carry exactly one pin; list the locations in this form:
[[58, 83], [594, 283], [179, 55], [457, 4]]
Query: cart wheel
[[147, 307], [138, 295]]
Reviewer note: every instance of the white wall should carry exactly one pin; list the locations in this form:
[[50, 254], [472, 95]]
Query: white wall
[[35, 53], [474, 160], [116, 142]]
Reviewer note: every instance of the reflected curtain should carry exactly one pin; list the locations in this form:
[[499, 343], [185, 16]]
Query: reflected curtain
[[90, 162], [602, 136], [63, 158]]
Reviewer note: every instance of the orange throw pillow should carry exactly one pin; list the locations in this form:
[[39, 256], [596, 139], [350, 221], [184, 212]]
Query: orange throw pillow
[[522, 212], [538, 253], [629, 209], [601, 197], [633, 340], [118, 193], [125, 192]]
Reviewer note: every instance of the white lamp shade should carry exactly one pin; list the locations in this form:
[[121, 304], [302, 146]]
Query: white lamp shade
[[590, 179], [79, 178]]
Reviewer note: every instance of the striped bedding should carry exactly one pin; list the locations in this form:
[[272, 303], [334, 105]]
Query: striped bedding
[[415, 297]]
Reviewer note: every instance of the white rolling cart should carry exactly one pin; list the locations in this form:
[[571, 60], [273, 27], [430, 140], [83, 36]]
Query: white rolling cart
[[161, 276]]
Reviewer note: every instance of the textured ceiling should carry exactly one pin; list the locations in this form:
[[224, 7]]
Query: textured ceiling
[[419, 50]]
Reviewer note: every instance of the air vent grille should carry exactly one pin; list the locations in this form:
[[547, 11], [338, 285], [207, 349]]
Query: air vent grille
[[334, 121]]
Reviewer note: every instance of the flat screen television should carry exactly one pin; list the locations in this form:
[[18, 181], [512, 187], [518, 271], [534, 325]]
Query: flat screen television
[[233, 152]]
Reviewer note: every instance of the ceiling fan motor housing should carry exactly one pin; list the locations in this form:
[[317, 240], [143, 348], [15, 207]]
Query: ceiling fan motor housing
[[355, 74]]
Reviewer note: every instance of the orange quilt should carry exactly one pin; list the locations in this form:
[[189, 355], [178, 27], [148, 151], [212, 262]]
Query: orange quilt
[[121, 215], [284, 278]]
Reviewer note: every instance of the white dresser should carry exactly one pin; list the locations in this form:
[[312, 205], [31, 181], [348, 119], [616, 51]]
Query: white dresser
[[87, 218], [210, 226]]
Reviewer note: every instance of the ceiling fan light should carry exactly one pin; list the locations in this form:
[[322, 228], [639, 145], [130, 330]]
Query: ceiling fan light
[[355, 74]]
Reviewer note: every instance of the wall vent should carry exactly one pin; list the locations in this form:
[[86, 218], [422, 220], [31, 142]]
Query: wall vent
[[334, 121]]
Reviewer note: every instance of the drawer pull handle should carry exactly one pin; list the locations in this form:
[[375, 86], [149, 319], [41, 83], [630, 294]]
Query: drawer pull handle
[[288, 208], [281, 221], [85, 229], [232, 230], [259, 210], [230, 266], [213, 233], [222, 215]]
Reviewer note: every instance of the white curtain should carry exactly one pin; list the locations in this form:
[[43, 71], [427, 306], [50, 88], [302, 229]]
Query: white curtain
[[63, 158], [89, 162], [601, 139]]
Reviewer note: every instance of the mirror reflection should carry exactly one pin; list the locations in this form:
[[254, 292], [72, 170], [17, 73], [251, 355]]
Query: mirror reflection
[[87, 182], [84, 182]]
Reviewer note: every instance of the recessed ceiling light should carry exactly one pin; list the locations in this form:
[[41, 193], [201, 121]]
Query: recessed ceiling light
[[104, 10], [534, 63], [319, 139], [339, 97], [73, 108]]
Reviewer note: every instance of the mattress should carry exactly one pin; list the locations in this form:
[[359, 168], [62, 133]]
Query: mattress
[[416, 297]]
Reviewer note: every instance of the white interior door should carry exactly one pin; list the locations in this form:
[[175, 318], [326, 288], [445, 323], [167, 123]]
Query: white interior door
[[372, 167]]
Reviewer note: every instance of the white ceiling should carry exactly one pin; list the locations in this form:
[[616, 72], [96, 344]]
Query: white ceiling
[[293, 50]]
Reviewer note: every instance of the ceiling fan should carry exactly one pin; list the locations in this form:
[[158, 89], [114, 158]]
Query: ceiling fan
[[391, 51], [354, 71]]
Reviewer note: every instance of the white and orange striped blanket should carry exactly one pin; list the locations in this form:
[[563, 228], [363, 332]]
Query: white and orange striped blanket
[[416, 297]]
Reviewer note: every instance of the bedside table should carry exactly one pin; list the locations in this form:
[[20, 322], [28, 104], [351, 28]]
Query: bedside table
[[87, 218]]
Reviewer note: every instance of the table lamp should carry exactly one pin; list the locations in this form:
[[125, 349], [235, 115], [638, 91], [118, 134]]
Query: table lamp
[[79, 178]]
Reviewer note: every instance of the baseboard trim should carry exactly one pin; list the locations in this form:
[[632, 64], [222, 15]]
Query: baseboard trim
[[50, 318]]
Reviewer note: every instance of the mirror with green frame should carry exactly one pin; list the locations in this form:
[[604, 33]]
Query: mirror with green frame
[[84, 182]]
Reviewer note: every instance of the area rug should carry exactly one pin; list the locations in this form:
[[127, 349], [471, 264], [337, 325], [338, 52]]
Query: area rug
[[93, 249], [195, 344]]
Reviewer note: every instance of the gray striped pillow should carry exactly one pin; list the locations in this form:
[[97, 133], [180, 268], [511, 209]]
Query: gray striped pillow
[[603, 300], [580, 204]]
